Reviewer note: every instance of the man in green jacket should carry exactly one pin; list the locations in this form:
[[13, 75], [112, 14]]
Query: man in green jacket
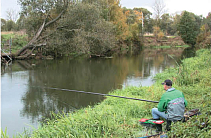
[[171, 105]]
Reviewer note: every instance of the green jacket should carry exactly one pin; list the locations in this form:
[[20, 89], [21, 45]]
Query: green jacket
[[168, 96]]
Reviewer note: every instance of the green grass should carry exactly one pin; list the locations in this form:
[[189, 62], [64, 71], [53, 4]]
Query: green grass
[[116, 117], [18, 41], [161, 46], [172, 36], [183, 46], [170, 46], [193, 77]]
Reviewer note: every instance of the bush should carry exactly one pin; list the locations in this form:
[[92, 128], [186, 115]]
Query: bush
[[18, 41], [204, 33], [84, 33], [157, 32], [160, 35]]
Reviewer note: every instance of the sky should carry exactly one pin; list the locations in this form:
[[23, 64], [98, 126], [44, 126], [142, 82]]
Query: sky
[[7, 5], [198, 7]]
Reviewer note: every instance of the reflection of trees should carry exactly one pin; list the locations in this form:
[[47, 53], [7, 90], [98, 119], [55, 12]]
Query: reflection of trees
[[188, 52], [38, 104], [87, 75], [16, 65], [152, 61], [4, 69], [92, 75]]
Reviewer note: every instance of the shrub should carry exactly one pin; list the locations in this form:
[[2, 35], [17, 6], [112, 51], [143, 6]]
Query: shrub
[[157, 32], [160, 35], [84, 33], [18, 41]]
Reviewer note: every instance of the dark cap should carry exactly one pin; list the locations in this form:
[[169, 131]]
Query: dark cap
[[167, 82]]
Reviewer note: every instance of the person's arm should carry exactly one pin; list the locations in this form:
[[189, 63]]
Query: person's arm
[[162, 105], [186, 103]]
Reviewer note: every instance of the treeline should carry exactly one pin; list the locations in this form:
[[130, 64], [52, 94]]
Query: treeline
[[98, 27]]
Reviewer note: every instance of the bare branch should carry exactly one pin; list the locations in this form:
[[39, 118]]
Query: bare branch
[[159, 8], [52, 21], [12, 15], [35, 38]]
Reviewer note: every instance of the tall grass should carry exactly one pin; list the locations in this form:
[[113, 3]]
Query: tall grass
[[116, 117], [193, 77], [18, 41], [4, 133]]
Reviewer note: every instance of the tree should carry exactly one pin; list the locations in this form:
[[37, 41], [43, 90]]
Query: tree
[[21, 23], [42, 15], [146, 18], [12, 15], [111, 11], [118, 18], [188, 28], [3, 24], [198, 21], [208, 20], [157, 32], [132, 18], [204, 33], [35, 12], [165, 24], [10, 26], [86, 32], [68, 26], [159, 10], [174, 25]]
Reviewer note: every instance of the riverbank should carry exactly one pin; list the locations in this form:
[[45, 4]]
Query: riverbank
[[20, 39], [170, 41], [116, 117]]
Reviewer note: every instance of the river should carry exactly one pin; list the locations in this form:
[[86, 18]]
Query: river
[[24, 105]]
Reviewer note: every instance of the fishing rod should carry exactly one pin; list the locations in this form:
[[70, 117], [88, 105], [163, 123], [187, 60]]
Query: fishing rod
[[98, 94]]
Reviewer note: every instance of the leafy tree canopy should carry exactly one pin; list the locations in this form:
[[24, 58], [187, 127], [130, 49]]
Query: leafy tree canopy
[[188, 28], [34, 12], [208, 20], [3, 24], [82, 30]]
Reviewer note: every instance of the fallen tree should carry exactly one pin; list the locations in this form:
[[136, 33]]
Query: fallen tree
[[32, 44], [38, 40]]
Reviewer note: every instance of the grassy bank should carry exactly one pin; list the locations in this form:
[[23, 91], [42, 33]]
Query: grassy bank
[[193, 77], [116, 117], [19, 39], [170, 46], [170, 41]]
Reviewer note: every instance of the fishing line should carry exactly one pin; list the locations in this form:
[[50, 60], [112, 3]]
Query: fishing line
[[71, 107], [97, 94]]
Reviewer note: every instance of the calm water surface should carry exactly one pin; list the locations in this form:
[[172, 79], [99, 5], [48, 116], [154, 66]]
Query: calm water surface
[[24, 106]]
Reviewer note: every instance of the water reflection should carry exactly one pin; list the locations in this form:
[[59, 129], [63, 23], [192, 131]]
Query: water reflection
[[92, 75], [188, 52]]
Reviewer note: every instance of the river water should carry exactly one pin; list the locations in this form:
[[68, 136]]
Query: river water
[[24, 105]]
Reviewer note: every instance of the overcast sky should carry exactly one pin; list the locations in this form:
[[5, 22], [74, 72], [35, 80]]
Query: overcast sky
[[199, 7]]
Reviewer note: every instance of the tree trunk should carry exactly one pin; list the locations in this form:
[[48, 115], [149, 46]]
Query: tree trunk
[[32, 41], [35, 38]]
